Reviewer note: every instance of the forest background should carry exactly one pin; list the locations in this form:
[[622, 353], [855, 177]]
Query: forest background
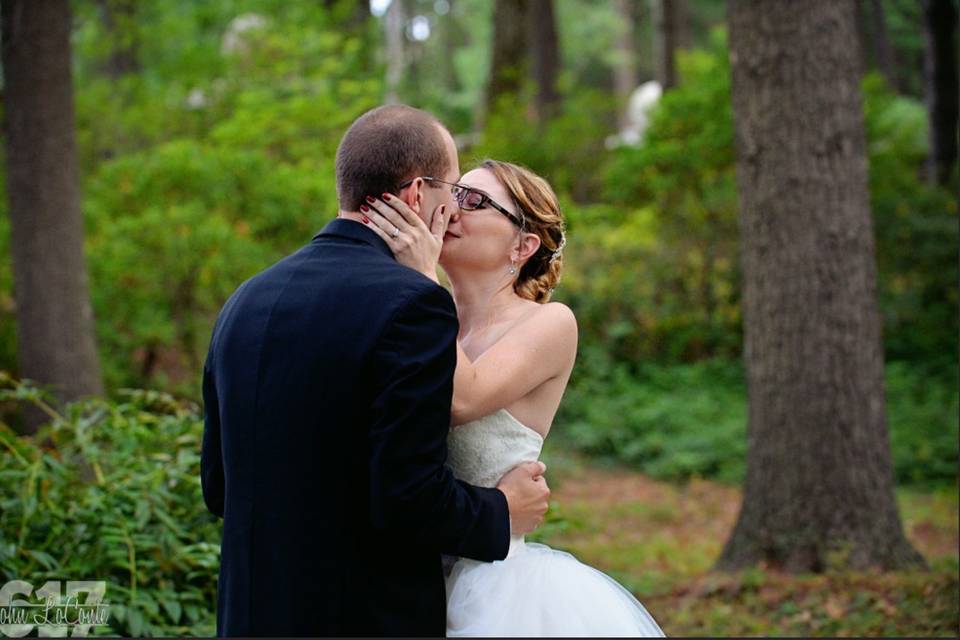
[[206, 134]]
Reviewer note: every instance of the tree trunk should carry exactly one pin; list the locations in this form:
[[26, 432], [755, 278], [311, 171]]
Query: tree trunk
[[542, 27], [819, 489], [395, 25], [119, 23], [509, 62], [55, 329], [671, 33], [941, 86], [351, 15], [882, 49], [863, 39], [625, 67]]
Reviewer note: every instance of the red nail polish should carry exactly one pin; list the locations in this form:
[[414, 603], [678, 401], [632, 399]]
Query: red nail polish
[[366, 220], [386, 196], [370, 199], [364, 207]]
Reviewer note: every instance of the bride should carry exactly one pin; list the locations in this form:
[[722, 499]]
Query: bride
[[503, 252]]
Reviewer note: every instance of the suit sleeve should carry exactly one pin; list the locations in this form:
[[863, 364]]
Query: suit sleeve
[[211, 456], [412, 489]]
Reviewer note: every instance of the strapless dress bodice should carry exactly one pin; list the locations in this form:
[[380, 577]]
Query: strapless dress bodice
[[483, 450], [535, 591]]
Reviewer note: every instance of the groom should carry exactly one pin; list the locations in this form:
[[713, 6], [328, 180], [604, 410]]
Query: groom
[[327, 392]]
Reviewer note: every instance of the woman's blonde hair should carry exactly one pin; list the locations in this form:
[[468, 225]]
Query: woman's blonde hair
[[541, 215]]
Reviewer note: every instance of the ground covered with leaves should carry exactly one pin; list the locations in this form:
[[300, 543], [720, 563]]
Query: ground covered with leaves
[[660, 540]]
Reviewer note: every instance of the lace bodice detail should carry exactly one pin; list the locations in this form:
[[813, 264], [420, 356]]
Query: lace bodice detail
[[483, 450], [536, 591]]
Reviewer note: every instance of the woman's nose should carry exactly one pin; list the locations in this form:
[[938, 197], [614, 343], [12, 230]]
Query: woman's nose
[[455, 216]]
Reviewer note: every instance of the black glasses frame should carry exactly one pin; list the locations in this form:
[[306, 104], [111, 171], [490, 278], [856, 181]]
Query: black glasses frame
[[459, 189]]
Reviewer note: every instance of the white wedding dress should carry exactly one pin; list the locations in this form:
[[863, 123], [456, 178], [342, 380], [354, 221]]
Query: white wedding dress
[[535, 590]]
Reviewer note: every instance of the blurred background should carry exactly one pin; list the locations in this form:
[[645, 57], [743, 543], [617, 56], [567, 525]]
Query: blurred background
[[205, 137]]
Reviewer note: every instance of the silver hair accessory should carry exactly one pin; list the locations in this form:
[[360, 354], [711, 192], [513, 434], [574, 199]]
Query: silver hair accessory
[[559, 250]]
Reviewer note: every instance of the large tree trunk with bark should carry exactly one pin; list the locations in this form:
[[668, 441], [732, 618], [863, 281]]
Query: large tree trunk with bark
[[941, 86], [55, 329], [120, 25], [394, 26], [625, 78], [350, 14], [510, 62], [819, 489], [672, 32], [545, 54], [882, 49]]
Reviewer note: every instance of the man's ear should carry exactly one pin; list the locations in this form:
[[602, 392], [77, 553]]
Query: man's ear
[[412, 196]]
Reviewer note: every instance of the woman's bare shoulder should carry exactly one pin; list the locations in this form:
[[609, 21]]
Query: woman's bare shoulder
[[551, 321]]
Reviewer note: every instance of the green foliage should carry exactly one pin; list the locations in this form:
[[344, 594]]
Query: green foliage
[[671, 422], [654, 274], [678, 421], [923, 412], [564, 149], [111, 491], [170, 234], [916, 231], [195, 182]]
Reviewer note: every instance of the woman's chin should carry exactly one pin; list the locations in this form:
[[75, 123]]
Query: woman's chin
[[447, 256]]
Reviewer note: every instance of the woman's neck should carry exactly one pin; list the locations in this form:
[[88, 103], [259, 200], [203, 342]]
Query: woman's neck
[[481, 298]]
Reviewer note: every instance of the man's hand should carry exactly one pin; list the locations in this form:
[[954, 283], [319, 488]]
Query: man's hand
[[527, 496]]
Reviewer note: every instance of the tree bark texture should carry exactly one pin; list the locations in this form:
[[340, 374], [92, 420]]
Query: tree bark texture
[[55, 328], [545, 55], [819, 490], [941, 86], [510, 61], [671, 33]]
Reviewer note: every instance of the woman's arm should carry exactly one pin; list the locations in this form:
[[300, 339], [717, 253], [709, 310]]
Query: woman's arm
[[542, 347]]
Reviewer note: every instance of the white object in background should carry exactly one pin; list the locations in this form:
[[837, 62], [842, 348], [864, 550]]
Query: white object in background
[[233, 38], [642, 101]]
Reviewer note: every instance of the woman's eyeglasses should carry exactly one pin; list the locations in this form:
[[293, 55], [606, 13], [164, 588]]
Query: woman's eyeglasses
[[468, 198]]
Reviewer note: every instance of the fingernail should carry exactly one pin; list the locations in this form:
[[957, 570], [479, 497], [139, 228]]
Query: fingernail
[[364, 207], [443, 209], [385, 196], [366, 220], [370, 199]]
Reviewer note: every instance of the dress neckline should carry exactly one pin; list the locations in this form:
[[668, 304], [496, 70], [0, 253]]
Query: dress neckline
[[533, 431], [509, 415]]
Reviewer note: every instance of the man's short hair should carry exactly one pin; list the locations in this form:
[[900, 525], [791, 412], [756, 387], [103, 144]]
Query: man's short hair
[[383, 148]]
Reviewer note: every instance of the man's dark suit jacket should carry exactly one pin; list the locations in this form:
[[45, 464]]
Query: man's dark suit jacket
[[327, 393]]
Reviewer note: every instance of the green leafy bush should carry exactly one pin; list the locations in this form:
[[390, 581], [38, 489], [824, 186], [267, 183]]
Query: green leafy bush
[[565, 149], [917, 231], [678, 421], [675, 196], [111, 491], [201, 181]]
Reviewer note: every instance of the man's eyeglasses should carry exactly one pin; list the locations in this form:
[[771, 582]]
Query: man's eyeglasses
[[468, 198]]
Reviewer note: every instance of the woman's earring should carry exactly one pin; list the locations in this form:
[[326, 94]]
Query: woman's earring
[[513, 267]]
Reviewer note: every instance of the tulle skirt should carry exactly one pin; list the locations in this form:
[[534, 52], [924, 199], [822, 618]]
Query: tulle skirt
[[539, 591]]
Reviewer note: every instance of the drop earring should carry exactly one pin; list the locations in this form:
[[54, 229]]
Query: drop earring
[[513, 267]]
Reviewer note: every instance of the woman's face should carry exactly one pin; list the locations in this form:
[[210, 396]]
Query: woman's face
[[482, 239]]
